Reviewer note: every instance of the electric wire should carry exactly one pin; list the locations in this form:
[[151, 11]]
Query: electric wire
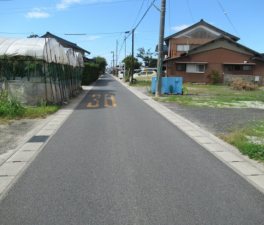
[[139, 13], [230, 21], [190, 10], [144, 15], [141, 19]]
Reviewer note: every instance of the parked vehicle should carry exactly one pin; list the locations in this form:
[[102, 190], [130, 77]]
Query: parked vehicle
[[145, 75]]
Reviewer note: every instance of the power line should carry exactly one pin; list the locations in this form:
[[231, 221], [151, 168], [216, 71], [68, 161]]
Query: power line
[[229, 20], [141, 19], [139, 12], [75, 34], [190, 10], [144, 15]]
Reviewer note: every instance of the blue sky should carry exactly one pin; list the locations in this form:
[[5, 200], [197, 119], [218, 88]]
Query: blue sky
[[105, 21]]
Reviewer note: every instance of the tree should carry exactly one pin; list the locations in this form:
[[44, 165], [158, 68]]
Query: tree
[[128, 62], [33, 36], [153, 63], [146, 57], [101, 62]]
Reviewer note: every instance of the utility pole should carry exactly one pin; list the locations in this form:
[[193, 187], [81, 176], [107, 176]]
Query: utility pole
[[132, 61], [125, 46], [113, 63], [160, 48], [125, 52], [116, 52], [125, 41]]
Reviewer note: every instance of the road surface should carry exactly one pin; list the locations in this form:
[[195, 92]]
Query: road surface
[[117, 161]]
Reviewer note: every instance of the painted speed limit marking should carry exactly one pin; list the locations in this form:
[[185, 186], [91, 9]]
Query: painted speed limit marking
[[109, 100]]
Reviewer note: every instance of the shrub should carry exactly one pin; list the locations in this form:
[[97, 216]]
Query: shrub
[[242, 84], [90, 74], [214, 76]]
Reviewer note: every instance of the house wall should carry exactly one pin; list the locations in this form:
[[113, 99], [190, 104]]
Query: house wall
[[190, 41], [214, 59]]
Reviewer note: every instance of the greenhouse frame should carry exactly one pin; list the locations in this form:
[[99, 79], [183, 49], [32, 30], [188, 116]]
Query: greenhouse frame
[[39, 69]]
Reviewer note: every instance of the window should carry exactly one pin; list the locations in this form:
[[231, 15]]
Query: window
[[247, 68], [200, 68], [238, 67], [181, 67], [195, 68], [183, 48], [228, 68]]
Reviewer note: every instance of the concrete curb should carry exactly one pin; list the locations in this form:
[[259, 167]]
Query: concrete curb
[[249, 169]]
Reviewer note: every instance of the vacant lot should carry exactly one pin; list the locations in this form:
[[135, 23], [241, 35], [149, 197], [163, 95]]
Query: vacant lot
[[218, 97], [237, 117]]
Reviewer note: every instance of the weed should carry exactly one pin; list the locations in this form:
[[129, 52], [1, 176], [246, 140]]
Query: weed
[[242, 84], [219, 96], [10, 108], [140, 84], [249, 140], [41, 111]]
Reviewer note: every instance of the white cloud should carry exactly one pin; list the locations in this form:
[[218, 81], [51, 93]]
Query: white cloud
[[93, 38], [37, 13], [64, 4], [178, 28]]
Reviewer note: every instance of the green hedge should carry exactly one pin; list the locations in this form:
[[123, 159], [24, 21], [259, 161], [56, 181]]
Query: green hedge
[[90, 73]]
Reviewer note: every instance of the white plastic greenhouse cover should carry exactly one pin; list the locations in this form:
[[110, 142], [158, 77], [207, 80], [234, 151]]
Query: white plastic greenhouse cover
[[70, 56], [47, 49], [75, 59], [79, 59]]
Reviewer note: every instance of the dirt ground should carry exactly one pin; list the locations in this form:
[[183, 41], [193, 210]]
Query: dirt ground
[[11, 134]]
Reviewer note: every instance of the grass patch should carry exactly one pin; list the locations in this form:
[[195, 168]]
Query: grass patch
[[140, 84], [249, 140], [13, 109], [217, 96], [40, 111], [10, 108]]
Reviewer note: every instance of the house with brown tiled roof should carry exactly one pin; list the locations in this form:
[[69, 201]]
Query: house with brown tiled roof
[[195, 51]]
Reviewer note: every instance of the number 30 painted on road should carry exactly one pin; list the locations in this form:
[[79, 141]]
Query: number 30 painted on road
[[96, 98]]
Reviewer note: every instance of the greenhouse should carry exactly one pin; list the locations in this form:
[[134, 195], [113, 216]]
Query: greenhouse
[[39, 69]]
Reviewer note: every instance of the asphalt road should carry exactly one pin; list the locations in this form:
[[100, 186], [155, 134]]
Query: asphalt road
[[116, 161]]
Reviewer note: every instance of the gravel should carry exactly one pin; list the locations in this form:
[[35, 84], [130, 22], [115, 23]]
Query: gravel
[[214, 120], [217, 121]]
